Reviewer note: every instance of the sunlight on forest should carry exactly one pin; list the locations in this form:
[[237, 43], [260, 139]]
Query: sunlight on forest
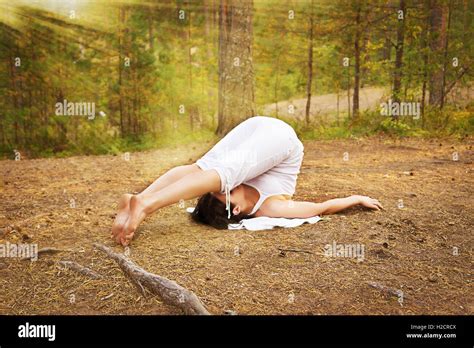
[[88, 13], [151, 72]]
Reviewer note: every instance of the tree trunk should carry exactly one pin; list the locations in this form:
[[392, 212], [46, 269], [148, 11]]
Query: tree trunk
[[437, 45], [424, 49], [209, 31], [387, 48], [120, 68], [348, 93], [14, 99], [276, 87], [236, 80], [189, 44], [398, 73], [445, 58], [310, 66], [355, 97]]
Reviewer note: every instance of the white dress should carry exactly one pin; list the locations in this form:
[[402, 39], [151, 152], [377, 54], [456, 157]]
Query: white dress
[[262, 152]]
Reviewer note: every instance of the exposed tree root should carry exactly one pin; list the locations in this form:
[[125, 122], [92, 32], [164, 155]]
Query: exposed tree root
[[74, 266], [168, 290]]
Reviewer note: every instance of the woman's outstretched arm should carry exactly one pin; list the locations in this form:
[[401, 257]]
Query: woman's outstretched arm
[[294, 209]]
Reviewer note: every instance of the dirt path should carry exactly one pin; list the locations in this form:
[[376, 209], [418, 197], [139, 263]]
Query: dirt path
[[327, 105], [412, 249]]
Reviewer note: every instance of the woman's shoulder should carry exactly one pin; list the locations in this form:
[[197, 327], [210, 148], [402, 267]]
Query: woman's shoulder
[[273, 204]]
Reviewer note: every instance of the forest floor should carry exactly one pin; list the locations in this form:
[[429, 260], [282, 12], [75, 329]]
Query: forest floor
[[420, 246]]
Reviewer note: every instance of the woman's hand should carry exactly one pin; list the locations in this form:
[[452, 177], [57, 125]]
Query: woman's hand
[[368, 202]]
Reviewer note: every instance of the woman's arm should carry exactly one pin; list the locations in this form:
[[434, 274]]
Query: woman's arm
[[294, 209]]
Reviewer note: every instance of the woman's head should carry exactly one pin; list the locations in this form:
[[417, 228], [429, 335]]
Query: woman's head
[[210, 209]]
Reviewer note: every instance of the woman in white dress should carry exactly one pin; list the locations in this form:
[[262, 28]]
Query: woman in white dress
[[251, 172]]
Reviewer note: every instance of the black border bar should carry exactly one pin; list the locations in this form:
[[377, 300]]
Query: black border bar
[[225, 330]]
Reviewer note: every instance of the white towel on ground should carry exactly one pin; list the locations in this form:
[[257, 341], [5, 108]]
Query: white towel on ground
[[267, 223]]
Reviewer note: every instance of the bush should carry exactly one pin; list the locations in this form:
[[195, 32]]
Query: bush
[[461, 123], [394, 127]]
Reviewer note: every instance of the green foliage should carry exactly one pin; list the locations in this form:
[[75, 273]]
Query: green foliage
[[461, 123], [168, 93], [394, 127]]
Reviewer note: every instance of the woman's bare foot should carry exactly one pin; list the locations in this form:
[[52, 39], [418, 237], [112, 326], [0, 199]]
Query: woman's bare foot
[[121, 217], [135, 217]]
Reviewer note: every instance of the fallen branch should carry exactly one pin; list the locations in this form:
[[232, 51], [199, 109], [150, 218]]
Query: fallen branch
[[168, 290], [49, 250], [295, 250], [46, 251], [387, 290], [74, 266]]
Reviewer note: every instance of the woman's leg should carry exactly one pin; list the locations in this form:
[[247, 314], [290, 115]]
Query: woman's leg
[[191, 186], [170, 177], [166, 179]]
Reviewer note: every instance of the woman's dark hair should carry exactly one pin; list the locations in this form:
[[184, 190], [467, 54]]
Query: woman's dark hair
[[211, 211]]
